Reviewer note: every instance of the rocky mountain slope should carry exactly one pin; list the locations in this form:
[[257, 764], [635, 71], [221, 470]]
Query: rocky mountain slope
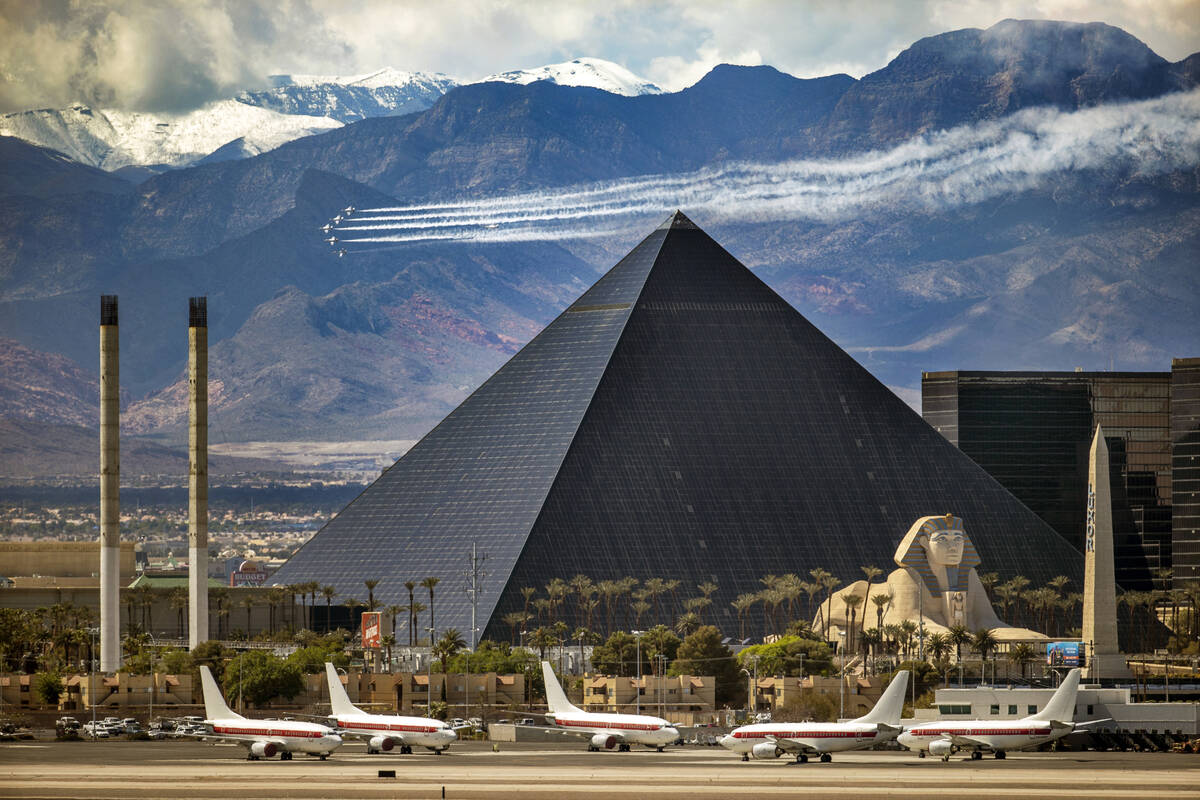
[[1056, 273], [595, 73]]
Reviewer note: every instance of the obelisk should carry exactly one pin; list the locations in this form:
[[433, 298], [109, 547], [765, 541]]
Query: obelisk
[[1099, 582]]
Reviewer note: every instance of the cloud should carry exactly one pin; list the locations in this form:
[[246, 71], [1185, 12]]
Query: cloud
[[173, 55], [962, 166]]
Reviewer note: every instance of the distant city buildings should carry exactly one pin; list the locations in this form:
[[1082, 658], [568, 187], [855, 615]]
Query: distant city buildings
[[1031, 431]]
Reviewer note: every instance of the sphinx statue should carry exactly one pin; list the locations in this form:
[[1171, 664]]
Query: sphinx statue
[[936, 580]]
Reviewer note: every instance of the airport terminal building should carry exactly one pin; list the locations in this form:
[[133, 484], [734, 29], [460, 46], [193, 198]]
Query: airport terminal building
[[679, 420]]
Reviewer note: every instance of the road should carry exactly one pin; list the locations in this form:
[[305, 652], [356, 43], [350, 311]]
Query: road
[[195, 770]]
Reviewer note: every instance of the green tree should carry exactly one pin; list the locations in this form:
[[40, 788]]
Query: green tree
[[489, 656], [703, 653], [328, 592], [618, 656], [259, 677], [429, 584], [448, 646], [790, 655], [1022, 655], [959, 635], [48, 687], [311, 660]]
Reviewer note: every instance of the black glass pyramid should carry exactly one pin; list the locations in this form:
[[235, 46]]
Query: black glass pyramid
[[679, 420]]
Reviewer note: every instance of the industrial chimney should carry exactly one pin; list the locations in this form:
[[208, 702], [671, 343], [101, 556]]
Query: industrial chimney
[[110, 487], [197, 471]]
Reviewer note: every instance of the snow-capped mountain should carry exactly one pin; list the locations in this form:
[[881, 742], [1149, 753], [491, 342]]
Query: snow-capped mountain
[[594, 72], [111, 139], [386, 92]]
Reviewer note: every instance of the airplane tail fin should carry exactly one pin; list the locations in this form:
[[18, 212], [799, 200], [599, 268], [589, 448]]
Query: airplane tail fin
[[1061, 707], [891, 703], [339, 701], [556, 698], [214, 703]]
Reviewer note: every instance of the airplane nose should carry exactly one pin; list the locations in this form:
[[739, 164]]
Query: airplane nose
[[727, 741]]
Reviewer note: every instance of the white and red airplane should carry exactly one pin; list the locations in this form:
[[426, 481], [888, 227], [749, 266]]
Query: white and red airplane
[[605, 731], [382, 732], [802, 739], [999, 736], [262, 738]]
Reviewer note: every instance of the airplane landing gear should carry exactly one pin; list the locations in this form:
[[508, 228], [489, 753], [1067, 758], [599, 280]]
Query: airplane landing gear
[[405, 750], [802, 758], [660, 748], [826, 758], [622, 748], [745, 756], [285, 756], [946, 757], [976, 755], [1000, 755], [920, 754], [324, 756]]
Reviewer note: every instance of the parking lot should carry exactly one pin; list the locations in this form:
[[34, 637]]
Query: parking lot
[[189, 769]]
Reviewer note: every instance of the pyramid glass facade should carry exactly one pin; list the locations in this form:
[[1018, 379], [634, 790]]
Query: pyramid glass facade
[[678, 421]]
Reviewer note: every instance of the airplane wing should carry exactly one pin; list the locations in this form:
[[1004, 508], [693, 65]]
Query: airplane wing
[[967, 741], [791, 745]]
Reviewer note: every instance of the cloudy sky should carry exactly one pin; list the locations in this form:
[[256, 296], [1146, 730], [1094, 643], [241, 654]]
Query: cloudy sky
[[174, 55]]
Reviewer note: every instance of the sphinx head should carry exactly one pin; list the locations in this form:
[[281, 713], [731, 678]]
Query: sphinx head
[[939, 541]]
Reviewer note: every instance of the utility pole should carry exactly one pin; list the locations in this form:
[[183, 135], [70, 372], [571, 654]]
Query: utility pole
[[475, 576], [638, 683]]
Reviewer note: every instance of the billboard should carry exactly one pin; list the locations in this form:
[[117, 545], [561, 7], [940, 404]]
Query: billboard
[[372, 625], [248, 573], [1066, 654]]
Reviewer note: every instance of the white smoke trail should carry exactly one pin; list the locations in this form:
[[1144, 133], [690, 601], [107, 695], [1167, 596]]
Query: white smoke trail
[[961, 166]]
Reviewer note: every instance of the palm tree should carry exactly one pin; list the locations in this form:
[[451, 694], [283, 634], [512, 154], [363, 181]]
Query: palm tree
[[959, 635], [412, 617], [584, 589], [742, 605], [248, 604], [984, 641], [371, 584], [687, 623], [415, 610], [829, 583], [852, 601], [543, 638], [393, 611], [583, 635], [872, 572], [178, 600], [707, 588], [447, 647], [388, 641], [515, 621], [556, 590], [908, 629], [639, 607], [1021, 654], [881, 601], [938, 646], [328, 592], [219, 596], [429, 584]]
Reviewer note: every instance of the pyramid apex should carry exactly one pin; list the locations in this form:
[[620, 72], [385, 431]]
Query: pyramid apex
[[678, 220]]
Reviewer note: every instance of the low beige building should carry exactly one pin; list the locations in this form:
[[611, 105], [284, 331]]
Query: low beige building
[[861, 694], [678, 698], [410, 692]]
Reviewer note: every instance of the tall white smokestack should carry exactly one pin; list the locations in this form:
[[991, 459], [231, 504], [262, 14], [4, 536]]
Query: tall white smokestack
[[197, 471], [110, 487]]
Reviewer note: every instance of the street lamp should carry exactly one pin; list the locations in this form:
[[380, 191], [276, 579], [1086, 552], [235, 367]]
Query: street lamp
[[638, 683], [429, 676], [92, 679]]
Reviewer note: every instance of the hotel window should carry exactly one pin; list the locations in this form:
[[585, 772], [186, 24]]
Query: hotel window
[[995, 708]]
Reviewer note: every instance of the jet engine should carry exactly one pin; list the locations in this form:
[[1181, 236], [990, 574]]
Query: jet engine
[[380, 743], [604, 740], [263, 749], [766, 750], [941, 747]]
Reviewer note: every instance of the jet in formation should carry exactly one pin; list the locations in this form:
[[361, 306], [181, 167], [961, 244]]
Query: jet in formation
[[262, 738], [383, 732], [945, 738], [804, 739], [604, 731]]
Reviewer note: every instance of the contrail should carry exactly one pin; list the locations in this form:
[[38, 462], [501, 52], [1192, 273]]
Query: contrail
[[931, 173]]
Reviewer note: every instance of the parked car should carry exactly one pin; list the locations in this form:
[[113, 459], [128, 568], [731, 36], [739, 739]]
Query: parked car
[[526, 721], [95, 730], [68, 724]]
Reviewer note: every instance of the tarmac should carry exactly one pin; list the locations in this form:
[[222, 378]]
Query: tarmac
[[186, 769]]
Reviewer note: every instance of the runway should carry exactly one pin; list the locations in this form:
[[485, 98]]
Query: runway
[[175, 769]]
